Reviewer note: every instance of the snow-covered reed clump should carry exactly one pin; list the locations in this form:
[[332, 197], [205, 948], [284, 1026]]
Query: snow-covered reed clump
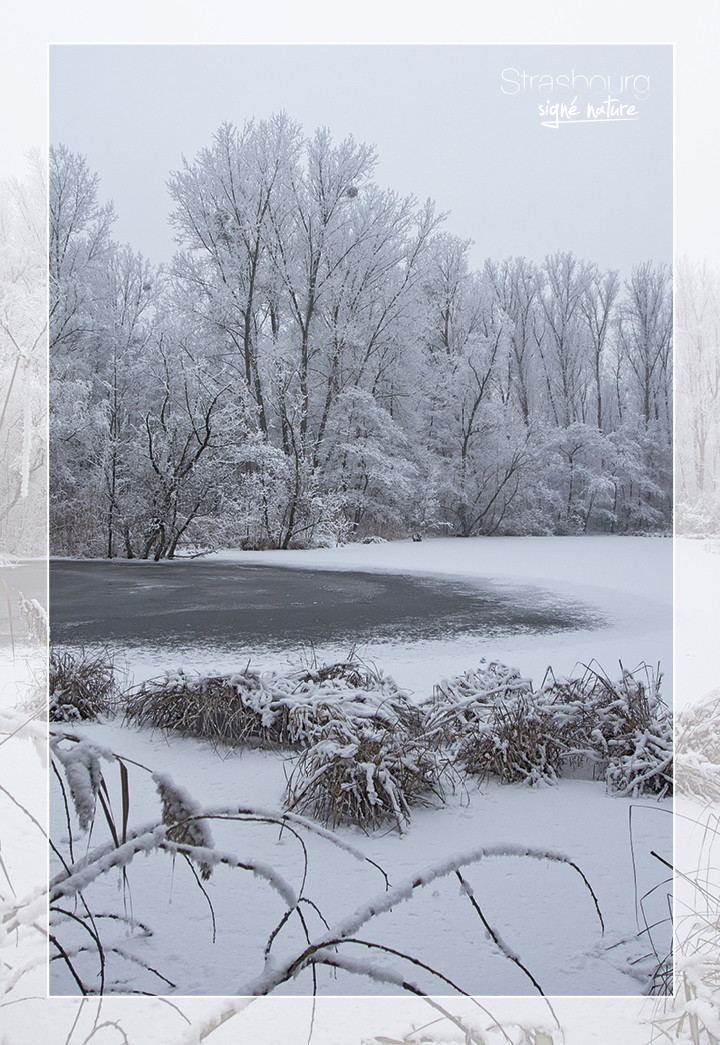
[[366, 770], [365, 754], [697, 749], [268, 709], [496, 723], [362, 759], [82, 687]]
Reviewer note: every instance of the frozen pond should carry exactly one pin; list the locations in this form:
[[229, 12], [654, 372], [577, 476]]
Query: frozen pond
[[243, 605], [418, 611]]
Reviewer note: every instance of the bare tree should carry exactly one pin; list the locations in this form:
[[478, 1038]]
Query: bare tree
[[563, 347], [645, 334], [597, 309]]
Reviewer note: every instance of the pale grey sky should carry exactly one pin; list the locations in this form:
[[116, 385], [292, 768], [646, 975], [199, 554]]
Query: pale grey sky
[[443, 127]]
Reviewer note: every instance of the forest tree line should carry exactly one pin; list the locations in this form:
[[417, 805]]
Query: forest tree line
[[319, 363], [23, 362]]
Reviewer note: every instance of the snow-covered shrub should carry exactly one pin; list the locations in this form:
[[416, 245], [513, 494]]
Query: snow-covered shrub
[[456, 702], [488, 679], [82, 686], [233, 709], [269, 708], [348, 672], [520, 740], [364, 771]]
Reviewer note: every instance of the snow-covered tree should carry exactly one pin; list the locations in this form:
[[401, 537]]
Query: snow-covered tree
[[320, 362], [23, 334]]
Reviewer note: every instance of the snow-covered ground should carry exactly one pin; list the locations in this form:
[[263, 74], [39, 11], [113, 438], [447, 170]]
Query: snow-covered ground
[[697, 615], [540, 908], [629, 575]]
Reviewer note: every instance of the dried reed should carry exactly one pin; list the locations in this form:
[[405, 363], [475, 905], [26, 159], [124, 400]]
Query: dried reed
[[82, 686]]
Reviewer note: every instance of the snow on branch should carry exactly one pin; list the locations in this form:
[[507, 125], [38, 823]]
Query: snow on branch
[[278, 972]]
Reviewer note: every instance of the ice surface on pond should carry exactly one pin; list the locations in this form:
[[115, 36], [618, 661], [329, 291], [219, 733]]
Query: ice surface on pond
[[420, 612]]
